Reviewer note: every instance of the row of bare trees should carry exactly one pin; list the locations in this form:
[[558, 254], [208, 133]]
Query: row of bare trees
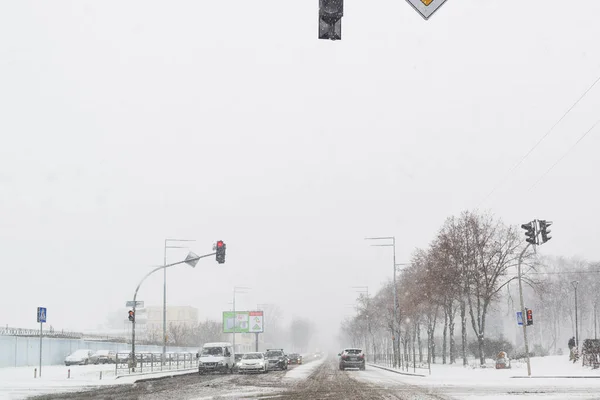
[[467, 273], [187, 335], [457, 278]]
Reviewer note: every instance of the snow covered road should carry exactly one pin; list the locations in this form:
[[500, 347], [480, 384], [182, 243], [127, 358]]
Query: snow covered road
[[322, 379]]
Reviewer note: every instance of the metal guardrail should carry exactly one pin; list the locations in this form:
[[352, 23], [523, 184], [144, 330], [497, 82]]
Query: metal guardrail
[[152, 362]]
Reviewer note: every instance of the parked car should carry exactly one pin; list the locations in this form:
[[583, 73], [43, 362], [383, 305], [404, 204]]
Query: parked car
[[81, 357], [277, 359], [352, 358], [105, 357], [253, 362]]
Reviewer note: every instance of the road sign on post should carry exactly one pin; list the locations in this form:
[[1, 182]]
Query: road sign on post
[[136, 304], [426, 7], [519, 318], [41, 318], [192, 259], [41, 315]]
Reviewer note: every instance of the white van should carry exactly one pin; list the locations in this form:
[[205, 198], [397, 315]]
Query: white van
[[216, 357]]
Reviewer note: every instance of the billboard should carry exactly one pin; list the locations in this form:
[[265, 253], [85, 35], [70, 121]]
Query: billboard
[[243, 322]]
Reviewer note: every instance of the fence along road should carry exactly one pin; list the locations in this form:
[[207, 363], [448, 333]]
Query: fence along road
[[152, 362]]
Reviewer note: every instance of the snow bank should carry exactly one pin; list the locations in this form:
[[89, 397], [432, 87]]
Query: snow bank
[[19, 383]]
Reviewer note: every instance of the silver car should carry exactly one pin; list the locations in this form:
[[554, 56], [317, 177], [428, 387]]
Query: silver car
[[81, 357]]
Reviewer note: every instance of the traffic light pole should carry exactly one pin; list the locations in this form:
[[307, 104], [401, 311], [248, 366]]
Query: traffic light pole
[[523, 312], [132, 361]]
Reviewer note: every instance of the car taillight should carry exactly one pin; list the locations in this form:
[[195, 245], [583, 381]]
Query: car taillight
[[344, 357], [362, 356]]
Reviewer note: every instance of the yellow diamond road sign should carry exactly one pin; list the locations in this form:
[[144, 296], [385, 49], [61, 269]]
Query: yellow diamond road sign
[[426, 7]]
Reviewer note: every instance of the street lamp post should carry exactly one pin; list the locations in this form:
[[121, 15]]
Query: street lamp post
[[595, 322], [395, 295], [365, 290], [192, 260], [236, 289], [575, 283], [259, 307], [167, 246], [406, 355]]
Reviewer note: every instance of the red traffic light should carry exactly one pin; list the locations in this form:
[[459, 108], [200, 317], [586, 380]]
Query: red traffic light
[[220, 243]]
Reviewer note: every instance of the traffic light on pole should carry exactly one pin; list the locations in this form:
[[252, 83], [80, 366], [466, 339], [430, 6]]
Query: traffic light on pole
[[545, 231], [131, 315], [221, 251], [530, 232], [529, 317], [330, 19]]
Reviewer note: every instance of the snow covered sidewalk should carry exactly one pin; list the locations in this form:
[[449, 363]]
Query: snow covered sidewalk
[[19, 383], [475, 383]]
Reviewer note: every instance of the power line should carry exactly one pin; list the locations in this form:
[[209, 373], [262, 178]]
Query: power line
[[564, 155], [514, 167], [561, 273]]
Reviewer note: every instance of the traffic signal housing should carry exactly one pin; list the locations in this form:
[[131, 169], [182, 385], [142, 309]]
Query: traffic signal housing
[[131, 315], [330, 19], [529, 317], [530, 232], [545, 231], [221, 252]]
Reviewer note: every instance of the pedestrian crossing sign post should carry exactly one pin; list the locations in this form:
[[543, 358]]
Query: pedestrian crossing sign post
[[519, 318], [41, 315], [41, 318]]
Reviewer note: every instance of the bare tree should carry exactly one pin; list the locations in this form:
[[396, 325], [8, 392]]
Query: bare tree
[[492, 248]]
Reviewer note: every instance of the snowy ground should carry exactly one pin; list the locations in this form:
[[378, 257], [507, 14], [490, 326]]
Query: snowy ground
[[553, 377], [317, 379], [19, 383]]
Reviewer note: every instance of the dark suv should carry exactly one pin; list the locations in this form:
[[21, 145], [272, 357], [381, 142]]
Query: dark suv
[[352, 358], [276, 359]]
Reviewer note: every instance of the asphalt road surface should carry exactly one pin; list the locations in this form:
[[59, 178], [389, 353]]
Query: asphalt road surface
[[326, 381]]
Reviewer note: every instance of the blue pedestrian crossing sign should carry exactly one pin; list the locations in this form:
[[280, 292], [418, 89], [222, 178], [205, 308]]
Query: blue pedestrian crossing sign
[[519, 318], [41, 314]]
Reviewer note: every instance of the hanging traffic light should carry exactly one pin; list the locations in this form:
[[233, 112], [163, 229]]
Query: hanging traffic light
[[221, 251], [529, 317], [131, 315], [330, 19], [530, 232], [545, 231]]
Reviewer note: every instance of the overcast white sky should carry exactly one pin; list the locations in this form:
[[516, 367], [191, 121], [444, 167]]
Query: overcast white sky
[[123, 123]]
